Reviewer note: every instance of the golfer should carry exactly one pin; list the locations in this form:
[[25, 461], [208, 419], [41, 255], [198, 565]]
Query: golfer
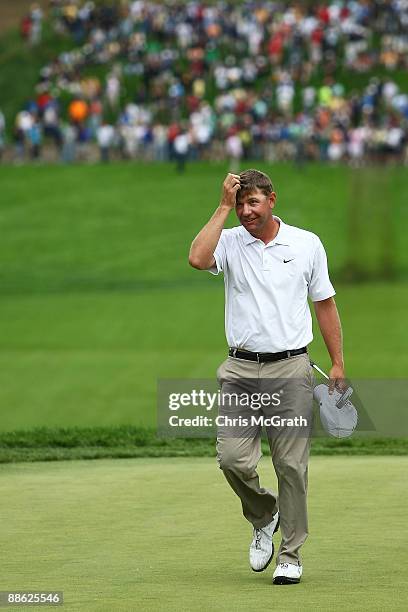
[[270, 270]]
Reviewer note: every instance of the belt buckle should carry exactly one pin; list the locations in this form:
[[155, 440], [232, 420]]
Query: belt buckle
[[234, 352], [257, 357], [288, 354]]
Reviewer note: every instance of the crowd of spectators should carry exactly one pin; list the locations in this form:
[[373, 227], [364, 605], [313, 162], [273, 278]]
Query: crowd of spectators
[[254, 80]]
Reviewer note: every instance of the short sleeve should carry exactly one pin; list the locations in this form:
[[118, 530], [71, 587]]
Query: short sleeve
[[220, 255], [320, 287]]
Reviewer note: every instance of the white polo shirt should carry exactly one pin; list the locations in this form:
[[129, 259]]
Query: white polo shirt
[[267, 287]]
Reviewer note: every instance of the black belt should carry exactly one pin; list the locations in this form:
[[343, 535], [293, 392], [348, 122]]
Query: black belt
[[262, 357]]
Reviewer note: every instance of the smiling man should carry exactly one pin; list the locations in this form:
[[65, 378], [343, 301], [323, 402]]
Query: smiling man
[[270, 269]]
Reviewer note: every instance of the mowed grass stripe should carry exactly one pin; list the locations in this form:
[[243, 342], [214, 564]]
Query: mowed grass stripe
[[95, 359], [102, 226]]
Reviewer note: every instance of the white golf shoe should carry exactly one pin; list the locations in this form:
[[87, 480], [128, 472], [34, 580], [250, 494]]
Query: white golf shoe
[[287, 573], [261, 549]]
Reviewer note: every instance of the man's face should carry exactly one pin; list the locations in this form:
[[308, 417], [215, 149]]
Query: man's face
[[254, 210]]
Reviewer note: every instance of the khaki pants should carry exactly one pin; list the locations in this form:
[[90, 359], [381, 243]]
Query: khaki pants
[[239, 451]]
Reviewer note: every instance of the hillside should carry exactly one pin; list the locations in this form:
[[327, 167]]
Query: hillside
[[17, 59], [12, 11], [20, 67]]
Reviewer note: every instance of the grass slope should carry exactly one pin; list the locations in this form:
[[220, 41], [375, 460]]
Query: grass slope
[[94, 359], [128, 226], [20, 63], [168, 534], [12, 12], [98, 302]]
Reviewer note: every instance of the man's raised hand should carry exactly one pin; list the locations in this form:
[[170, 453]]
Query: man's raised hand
[[231, 185]]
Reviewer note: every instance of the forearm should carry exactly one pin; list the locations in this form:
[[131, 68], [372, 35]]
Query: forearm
[[204, 244], [330, 327]]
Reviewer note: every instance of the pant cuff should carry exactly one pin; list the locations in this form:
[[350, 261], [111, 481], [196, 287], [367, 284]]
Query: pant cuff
[[265, 521], [284, 559]]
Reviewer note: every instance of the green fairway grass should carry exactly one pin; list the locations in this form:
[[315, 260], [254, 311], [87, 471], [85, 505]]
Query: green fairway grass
[[129, 226], [168, 534], [98, 301], [94, 358]]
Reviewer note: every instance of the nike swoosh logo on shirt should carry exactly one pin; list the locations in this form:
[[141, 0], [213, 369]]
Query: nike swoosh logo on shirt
[[288, 260]]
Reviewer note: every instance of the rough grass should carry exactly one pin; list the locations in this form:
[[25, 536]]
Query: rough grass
[[47, 444]]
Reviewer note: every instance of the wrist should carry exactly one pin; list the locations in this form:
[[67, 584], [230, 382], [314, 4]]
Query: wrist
[[225, 207]]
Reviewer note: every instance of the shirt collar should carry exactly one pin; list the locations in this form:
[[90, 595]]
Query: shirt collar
[[282, 237]]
